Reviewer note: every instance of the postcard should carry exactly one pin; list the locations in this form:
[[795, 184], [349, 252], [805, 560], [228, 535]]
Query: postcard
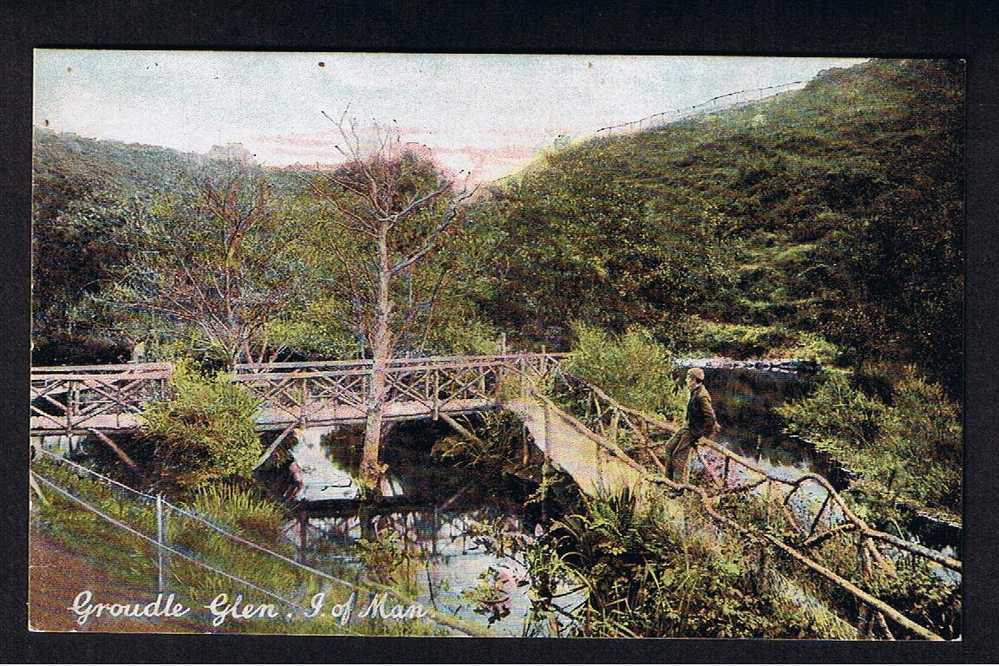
[[565, 346]]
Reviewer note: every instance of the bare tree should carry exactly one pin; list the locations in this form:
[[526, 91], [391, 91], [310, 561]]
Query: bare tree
[[389, 213], [218, 260]]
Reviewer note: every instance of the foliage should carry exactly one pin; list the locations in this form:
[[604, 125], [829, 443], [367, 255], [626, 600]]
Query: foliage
[[583, 238], [645, 581], [80, 188], [528, 562], [631, 367], [808, 346], [311, 330], [496, 452], [904, 440], [215, 258], [835, 210], [650, 568], [738, 340], [388, 561], [206, 431], [243, 509], [927, 599]]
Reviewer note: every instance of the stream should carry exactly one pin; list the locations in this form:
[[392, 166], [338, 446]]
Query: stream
[[744, 400], [431, 509]]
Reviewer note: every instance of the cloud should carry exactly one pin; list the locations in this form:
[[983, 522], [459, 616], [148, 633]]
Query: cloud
[[479, 113], [494, 157]]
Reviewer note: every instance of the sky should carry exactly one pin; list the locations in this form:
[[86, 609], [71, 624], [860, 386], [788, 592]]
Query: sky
[[481, 115]]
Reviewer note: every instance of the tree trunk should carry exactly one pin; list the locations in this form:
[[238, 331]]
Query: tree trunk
[[371, 469]]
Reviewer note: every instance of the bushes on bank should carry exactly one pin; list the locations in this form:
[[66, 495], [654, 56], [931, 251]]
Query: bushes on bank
[[205, 431], [902, 435], [631, 367], [658, 569]]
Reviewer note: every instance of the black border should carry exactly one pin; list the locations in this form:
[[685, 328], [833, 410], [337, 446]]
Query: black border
[[775, 27]]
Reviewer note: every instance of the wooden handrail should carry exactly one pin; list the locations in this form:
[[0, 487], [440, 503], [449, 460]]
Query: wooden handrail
[[861, 525]]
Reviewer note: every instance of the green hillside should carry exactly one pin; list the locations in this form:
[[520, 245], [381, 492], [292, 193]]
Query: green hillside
[[824, 222], [79, 185], [834, 211]]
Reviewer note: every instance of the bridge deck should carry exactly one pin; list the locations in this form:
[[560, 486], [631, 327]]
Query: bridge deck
[[272, 418], [573, 451]]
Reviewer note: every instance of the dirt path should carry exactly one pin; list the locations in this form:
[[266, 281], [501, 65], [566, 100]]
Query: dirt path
[[56, 575]]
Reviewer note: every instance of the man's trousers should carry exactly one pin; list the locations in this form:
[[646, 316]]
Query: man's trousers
[[679, 448]]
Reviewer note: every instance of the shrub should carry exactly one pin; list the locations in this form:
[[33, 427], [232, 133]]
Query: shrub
[[807, 346], [206, 431], [737, 340], [656, 569], [632, 368], [926, 598], [244, 510], [906, 445]]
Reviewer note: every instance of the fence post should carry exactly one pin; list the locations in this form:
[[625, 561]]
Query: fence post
[[436, 533], [548, 427], [303, 534], [525, 452], [160, 538]]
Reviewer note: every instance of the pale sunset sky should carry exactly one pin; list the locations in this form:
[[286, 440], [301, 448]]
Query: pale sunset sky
[[482, 114]]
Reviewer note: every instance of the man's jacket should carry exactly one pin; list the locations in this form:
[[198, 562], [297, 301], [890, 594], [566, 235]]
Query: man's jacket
[[701, 419]]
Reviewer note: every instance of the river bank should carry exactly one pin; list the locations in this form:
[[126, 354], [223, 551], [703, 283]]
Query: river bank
[[57, 574]]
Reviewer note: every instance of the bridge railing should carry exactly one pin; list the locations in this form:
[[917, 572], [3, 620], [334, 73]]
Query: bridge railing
[[77, 399], [323, 391], [109, 369], [808, 501], [397, 362]]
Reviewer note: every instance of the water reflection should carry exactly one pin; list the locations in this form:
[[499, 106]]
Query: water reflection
[[774, 453], [432, 511], [445, 554]]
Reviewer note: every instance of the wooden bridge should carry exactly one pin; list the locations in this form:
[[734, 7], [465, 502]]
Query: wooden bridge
[[602, 445], [76, 400]]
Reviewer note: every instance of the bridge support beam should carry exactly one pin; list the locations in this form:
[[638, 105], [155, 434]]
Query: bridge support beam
[[461, 430], [117, 450], [277, 442]]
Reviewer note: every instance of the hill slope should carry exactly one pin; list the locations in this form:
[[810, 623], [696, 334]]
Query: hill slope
[[834, 211]]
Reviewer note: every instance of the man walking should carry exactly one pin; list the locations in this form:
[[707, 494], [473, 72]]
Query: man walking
[[700, 422]]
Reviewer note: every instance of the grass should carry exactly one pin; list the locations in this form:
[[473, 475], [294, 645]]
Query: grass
[[900, 432], [132, 560]]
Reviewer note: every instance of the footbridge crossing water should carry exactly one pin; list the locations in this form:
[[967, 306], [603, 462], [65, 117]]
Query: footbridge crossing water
[[603, 446], [76, 400]]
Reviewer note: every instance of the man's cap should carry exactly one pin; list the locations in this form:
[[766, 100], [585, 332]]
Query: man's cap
[[696, 373]]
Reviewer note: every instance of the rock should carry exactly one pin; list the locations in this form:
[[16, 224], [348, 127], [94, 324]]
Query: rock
[[783, 365]]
